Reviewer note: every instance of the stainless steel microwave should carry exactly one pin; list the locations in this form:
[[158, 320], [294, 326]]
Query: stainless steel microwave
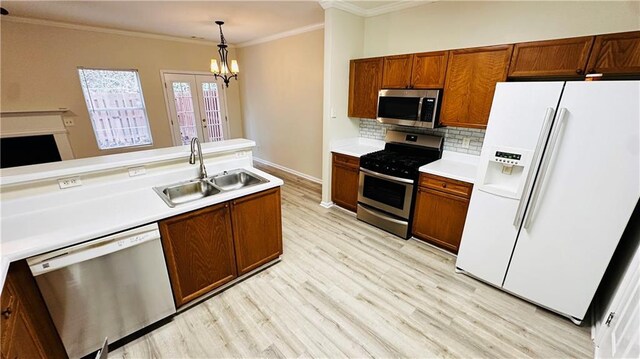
[[417, 108]]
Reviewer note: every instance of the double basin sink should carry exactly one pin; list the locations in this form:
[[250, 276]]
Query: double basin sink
[[193, 190]]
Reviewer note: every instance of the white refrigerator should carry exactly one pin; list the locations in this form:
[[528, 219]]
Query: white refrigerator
[[558, 179]]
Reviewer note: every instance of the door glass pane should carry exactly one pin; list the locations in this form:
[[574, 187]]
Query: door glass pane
[[184, 110], [212, 111]]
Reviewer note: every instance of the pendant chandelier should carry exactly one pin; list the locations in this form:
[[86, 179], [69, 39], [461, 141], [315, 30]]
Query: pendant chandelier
[[223, 70]]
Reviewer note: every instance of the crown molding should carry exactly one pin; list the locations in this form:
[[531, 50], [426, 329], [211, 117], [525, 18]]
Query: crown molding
[[66, 25], [281, 35], [384, 9]]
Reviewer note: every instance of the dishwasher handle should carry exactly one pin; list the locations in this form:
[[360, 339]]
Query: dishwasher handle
[[93, 249]]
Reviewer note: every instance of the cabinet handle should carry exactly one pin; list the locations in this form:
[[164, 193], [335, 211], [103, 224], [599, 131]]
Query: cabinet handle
[[6, 313], [444, 184], [226, 205], [578, 71]]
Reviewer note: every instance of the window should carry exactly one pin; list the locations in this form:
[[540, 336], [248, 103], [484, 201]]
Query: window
[[116, 107]]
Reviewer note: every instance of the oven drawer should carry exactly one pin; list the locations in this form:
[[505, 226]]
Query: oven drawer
[[346, 160], [395, 225], [447, 185]]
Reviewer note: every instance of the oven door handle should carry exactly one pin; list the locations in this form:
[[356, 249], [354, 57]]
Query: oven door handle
[[387, 177]]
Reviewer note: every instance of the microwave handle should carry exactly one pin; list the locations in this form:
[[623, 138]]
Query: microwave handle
[[420, 110]]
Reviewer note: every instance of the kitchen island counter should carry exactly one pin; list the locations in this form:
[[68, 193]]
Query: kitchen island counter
[[38, 216]]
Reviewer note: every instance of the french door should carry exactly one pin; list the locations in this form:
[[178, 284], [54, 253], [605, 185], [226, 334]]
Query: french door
[[196, 107]]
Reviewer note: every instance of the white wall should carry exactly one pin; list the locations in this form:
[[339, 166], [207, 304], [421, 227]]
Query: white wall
[[446, 25], [343, 40], [39, 71], [281, 93]]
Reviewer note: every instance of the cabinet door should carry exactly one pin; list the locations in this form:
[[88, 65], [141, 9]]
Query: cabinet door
[[198, 247], [616, 54], [257, 229], [471, 79], [429, 69], [564, 57], [439, 218], [26, 329], [365, 79], [396, 72], [344, 182]]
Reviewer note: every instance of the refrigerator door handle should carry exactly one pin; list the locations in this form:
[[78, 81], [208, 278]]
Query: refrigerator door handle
[[542, 139], [544, 166]]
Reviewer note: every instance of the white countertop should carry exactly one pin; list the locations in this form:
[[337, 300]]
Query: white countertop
[[84, 165], [44, 222], [357, 146], [457, 166]]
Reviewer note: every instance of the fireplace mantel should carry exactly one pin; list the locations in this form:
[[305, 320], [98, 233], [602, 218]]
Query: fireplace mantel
[[35, 123]]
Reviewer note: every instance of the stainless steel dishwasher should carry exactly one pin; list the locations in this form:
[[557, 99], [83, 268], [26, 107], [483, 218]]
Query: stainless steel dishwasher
[[108, 287]]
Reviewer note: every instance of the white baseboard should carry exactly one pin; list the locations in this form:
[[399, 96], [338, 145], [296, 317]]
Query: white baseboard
[[326, 204], [286, 169]]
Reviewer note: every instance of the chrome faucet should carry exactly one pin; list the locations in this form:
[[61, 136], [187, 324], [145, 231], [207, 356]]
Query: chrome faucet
[[192, 158]]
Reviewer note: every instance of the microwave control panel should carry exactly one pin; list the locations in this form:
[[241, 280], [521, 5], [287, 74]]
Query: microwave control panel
[[428, 107]]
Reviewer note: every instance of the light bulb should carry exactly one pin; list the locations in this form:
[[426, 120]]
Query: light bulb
[[234, 67], [214, 66]]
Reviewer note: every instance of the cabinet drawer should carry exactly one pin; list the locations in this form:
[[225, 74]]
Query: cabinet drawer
[[447, 185], [346, 160]]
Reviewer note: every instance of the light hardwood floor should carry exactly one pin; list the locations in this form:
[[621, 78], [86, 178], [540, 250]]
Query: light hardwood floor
[[347, 289]]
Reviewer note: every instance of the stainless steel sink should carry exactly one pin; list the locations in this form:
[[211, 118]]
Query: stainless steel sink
[[183, 192], [236, 179]]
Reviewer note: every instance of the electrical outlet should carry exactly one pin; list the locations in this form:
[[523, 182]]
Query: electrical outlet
[[69, 182], [465, 142], [68, 122], [137, 171]]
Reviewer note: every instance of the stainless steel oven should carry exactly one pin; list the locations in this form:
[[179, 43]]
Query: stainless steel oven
[[387, 182], [388, 193], [385, 201]]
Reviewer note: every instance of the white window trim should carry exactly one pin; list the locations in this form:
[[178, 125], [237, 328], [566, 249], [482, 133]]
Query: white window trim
[[144, 109]]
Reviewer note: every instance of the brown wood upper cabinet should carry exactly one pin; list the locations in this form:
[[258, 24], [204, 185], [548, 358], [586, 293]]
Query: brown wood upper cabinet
[[257, 229], [345, 173], [27, 330], [429, 69], [425, 70], [198, 247], [365, 79], [616, 54], [396, 72], [553, 58], [471, 79]]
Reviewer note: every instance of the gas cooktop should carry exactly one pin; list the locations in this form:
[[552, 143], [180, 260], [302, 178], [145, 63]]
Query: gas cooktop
[[403, 158]]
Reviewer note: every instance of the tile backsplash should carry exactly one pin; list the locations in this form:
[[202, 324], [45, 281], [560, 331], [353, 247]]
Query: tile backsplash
[[453, 136]]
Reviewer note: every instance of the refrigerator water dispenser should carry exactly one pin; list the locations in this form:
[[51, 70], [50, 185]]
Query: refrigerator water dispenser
[[504, 171]]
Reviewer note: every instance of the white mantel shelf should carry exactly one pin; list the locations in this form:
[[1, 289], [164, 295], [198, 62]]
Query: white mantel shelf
[[32, 112]]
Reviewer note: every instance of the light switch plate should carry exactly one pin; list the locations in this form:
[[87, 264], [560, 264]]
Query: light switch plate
[[69, 182], [68, 122]]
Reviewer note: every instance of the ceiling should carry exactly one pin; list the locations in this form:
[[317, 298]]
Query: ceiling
[[245, 21]]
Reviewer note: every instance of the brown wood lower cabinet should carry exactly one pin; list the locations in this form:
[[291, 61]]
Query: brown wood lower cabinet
[[257, 229], [198, 247], [345, 173], [27, 330], [441, 210], [210, 247]]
